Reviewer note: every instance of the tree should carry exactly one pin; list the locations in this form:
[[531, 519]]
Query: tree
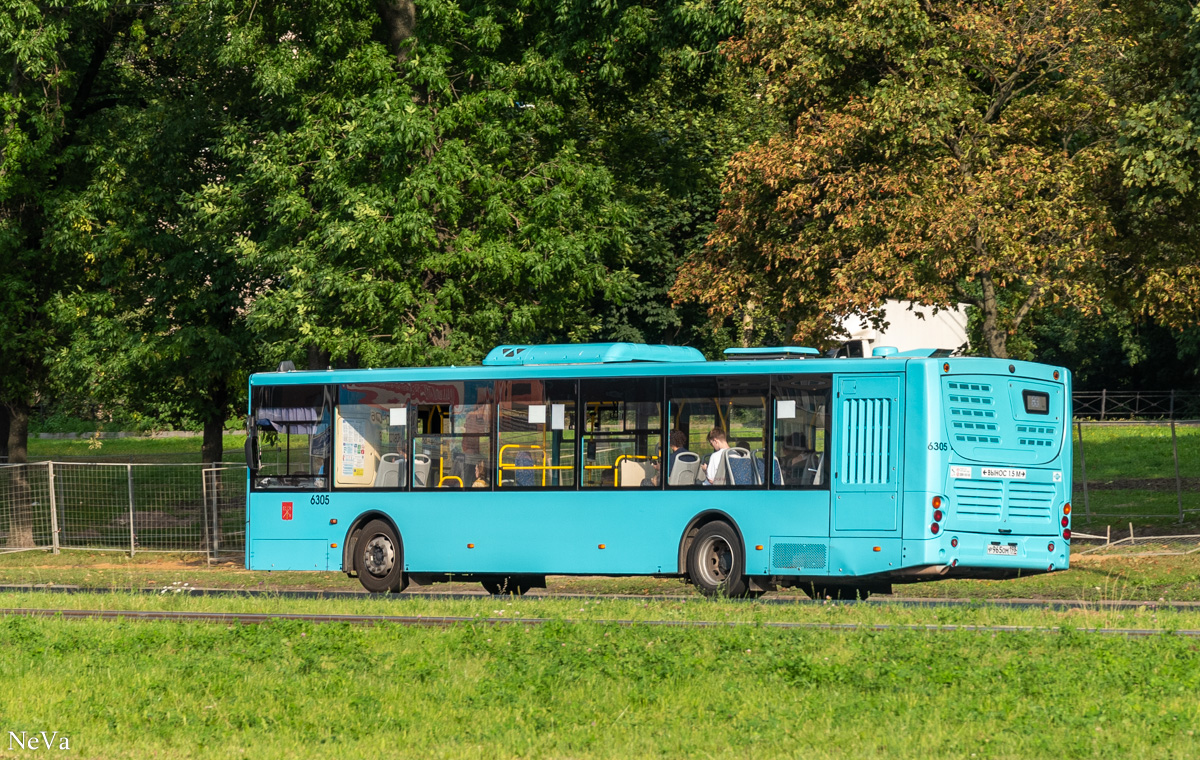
[[53, 55], [416, 188], [1158, 200], [159, 319], [932, 151]]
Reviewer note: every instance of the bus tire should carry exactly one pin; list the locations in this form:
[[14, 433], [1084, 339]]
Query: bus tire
[[379, 559], [511, 584], [715, 563]]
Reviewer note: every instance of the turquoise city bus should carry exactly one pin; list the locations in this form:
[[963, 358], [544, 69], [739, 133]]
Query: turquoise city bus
[[773, 468]]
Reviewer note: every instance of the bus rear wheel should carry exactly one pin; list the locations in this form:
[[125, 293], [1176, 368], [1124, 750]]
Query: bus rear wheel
[[512, 584], [715, 564], [379, 559]]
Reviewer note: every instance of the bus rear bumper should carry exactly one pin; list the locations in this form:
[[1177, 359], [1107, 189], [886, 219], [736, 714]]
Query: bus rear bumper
[[985, 555]]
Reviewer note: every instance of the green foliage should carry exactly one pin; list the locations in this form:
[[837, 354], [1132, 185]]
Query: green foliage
[[417, 211], [937, 152]]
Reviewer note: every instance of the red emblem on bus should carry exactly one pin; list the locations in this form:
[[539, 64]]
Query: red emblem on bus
[[287, 510]]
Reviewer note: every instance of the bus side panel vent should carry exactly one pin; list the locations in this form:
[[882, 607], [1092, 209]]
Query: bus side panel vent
[[866, 441], [807, 556]]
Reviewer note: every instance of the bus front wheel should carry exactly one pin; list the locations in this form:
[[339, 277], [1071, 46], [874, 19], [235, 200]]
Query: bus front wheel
[[715, 563], [379, 559]]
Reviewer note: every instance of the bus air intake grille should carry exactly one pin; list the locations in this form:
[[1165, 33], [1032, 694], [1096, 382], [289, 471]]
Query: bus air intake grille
[[974, 425], [977, 438], [808, 556], [977, 400], [1030, 501], [985, 413], [866, 441], [978, 498], [970, 387]]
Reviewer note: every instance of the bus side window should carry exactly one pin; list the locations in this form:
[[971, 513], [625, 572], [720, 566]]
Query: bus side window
[[801, 433], [371, 447], [722, 436], [452, 434], [622, 432], [536, 439]]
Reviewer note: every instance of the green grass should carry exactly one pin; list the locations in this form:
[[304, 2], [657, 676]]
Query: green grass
[[1135, 451], [593, 690], [1173, 578], [126, 447]]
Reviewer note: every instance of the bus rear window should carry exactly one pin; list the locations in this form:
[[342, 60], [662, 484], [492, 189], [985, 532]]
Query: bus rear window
[[1036, 402]]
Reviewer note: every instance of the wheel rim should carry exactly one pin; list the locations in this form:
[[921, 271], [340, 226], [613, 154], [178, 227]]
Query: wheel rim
[[379, 556], [715, 557]]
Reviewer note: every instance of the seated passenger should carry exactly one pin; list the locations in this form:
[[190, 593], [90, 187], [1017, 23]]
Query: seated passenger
[[712, 470], [481, 473]]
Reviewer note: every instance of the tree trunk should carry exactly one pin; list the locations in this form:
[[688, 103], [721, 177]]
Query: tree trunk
[[748, 323], [18, 433], [5, 419], [398, 17], [20, 527], [213, 448], [995, 338]]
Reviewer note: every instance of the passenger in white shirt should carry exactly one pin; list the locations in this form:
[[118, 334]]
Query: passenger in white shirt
[[712, 469]]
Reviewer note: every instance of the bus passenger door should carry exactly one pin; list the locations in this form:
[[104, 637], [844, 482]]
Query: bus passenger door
[[867, 441]]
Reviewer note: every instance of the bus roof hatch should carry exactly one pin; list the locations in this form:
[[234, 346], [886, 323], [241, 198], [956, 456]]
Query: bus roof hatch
[[589, 353], [769, 352]]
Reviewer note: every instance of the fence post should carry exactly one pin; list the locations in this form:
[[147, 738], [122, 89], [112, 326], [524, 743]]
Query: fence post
[[1087, 512], [1103, 402], [53, 510], [129, 476], [204, 513], [216, 520], [1175, 454]]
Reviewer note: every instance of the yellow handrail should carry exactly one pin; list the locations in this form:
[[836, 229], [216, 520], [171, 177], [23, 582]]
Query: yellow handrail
[[532, 447]]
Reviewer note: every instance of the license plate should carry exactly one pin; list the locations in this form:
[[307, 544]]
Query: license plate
[[1009, 550]]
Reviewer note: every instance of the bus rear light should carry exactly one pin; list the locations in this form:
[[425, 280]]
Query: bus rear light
[[954, 542], [937, 502], [946, 367], [937, 515], [954, 563], [1055, 374], [1050, 548], [1067, 508], [1066, 521], [1050, 569], [1067, 534], [934, 528]]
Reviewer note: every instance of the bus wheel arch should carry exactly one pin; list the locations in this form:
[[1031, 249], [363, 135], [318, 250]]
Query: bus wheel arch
[[390, 549], [693, 529]]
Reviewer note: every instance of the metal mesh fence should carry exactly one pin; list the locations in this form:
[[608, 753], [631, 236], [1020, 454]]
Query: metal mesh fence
[[26, 519], [1144, 471], [123, 507]]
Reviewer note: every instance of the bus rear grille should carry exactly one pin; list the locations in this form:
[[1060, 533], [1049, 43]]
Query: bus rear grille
[[978, 498], [798, 555], [1030, 501]]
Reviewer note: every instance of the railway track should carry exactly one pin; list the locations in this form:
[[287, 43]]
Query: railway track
[[242, 618], [1057, 604]]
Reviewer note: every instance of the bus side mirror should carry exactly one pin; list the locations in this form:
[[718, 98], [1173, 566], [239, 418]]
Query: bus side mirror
[[252, 451]]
